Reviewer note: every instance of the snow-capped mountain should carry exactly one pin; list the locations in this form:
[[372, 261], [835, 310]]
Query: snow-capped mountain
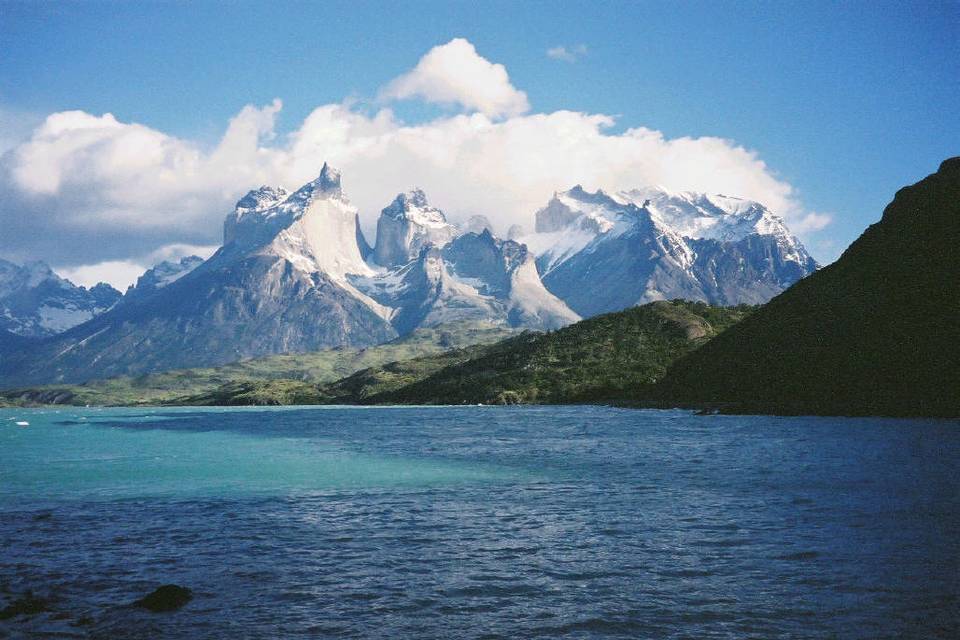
[[296, 274], [36, 302], [601, 252]]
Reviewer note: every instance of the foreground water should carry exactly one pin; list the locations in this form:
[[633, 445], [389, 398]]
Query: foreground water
[[480, 522]]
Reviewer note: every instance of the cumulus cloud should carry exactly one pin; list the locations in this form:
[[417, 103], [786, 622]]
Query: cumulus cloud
[[571, 54], [87, 190], [454, 73]]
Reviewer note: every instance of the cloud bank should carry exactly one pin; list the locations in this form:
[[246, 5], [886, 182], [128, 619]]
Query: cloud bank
[[89, 190]]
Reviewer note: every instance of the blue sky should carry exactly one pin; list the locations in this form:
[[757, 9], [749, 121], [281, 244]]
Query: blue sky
[[844, 102]]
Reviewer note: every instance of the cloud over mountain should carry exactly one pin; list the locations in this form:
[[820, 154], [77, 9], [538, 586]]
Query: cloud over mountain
[[119, 190]]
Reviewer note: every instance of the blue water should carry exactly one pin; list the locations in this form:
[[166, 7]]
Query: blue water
[[480, 522]]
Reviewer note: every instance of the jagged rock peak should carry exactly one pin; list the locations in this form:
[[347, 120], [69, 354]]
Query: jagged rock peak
[[328, 182], [329, 178], [413, 198], [326, 185], [406, 226], [414, 206]]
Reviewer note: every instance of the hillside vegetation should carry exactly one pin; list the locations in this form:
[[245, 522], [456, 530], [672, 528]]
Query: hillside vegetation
[[615, 356], [274, 376]]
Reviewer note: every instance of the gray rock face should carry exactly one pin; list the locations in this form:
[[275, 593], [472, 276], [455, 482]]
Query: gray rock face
[[36, 302], [602, 253], [407, 226]]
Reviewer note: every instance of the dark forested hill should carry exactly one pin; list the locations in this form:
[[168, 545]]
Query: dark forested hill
[[875, 333]]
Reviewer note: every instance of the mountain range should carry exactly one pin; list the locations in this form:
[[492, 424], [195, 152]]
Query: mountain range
[[875, 333], [296, 274]]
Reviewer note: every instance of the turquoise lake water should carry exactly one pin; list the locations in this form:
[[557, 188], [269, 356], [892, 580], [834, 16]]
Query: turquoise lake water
[[509, 522]]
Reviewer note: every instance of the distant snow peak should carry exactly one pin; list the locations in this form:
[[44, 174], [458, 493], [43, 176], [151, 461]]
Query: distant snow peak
[[36, 302], [167, 272], [602, 252], [579, 209]]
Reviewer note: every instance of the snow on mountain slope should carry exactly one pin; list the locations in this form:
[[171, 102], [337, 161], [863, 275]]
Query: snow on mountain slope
[[315, 228], [575, 220], [715, 217]]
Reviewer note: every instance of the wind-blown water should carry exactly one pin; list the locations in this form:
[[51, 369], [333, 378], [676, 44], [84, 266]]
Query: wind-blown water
[[478, 522]]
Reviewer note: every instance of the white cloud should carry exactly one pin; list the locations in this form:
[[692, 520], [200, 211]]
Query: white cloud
[[454, 73], [571, 54], [118, 273], [122, 273], [811, 221], [92, 190]]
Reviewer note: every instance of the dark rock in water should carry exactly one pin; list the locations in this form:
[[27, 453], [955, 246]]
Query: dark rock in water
[[169, 597], [28, 605], [42, 516]]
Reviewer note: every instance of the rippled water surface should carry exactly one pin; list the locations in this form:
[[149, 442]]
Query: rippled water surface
[[480, 522]]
